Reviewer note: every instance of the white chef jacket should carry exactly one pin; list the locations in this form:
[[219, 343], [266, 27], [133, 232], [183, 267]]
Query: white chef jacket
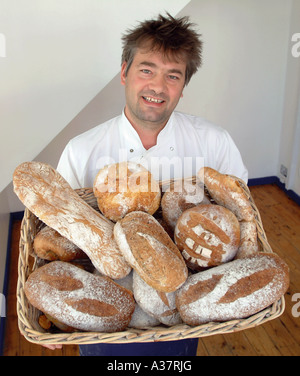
[[184, 145]]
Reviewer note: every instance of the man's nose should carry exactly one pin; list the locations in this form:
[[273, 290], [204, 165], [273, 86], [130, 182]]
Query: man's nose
[[158, 84]]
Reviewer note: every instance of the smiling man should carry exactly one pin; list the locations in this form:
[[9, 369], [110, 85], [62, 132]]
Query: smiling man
[[159, 58], [153, 85]]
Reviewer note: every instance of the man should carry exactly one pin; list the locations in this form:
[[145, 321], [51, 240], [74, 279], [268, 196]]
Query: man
[[159, 58]]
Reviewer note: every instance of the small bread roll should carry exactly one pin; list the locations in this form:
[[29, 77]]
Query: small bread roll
[[149, 250], [180, 196], [50, 245], [207, 235], [125, 187]]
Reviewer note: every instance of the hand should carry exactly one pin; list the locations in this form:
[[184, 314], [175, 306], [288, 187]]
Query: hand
[[53, 347]]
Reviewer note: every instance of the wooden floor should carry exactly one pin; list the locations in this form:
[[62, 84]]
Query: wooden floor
[[279, 337]]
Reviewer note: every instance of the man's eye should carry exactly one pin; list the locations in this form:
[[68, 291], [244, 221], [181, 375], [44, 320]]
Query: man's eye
[[147, 71], [173, 77]]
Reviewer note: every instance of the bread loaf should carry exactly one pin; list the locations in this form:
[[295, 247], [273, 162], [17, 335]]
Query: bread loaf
[[140, 319], [249, 243], [49, 245], [78, 298], [157, 304], [124, 187], [234, 290], [180, 196], [49, 197], [207, 235], [150, 251], [226, 191]]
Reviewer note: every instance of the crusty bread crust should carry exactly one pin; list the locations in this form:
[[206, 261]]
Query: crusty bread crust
[[207, 235], [124, 187], [48, 196], [234, 290], [150, 251], [78, 298]]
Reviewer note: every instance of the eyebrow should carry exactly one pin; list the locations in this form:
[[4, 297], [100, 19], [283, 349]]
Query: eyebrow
[[153, 65]]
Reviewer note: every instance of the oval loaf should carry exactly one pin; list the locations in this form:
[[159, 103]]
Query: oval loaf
[[78, 298], [234, 290], [150, 251]]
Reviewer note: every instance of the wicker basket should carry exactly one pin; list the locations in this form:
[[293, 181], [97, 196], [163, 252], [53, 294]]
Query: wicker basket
[[28, 315]]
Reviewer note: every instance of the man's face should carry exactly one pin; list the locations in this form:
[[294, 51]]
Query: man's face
[[153, 87]]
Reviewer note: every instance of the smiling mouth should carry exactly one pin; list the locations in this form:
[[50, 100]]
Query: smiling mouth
[[153, 100]]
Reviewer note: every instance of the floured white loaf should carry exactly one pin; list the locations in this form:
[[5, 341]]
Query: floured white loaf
[[158, 304], [150, 251], [140, 318], [79, 299], [49, 197], [234, 290]]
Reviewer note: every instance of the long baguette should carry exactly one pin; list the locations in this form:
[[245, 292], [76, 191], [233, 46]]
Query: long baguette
[[49, 197]]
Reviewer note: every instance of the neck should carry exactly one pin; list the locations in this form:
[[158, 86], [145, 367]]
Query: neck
[[148, 132]]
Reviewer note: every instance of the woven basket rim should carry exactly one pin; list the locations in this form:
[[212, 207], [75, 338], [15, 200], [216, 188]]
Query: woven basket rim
[[35, 334]]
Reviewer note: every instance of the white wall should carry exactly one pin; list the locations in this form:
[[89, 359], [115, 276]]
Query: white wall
[[289, 155], [241, 83]]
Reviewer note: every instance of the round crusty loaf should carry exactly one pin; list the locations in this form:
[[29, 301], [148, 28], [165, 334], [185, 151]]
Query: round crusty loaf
[[180, 196], [150, 251], [207, 235], [157, 304], [50, 198], [226, 191], [234, 290], [124, 187], [49, 245], [78, 298]]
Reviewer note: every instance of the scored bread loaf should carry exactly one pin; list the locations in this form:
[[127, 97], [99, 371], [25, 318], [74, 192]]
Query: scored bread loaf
[[234, 290], [49, 245], [124, 187], [226, 191], [150, 251], [78, 298], [50, 198], [207, 235]]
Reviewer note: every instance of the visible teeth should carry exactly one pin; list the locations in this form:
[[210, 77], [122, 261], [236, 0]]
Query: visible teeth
[[148, 99]]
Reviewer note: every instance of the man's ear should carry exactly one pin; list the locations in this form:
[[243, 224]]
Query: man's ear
[[123, 75]]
